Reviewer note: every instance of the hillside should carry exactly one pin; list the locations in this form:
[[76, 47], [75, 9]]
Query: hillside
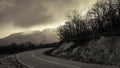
[[104, 50], [36, 37]]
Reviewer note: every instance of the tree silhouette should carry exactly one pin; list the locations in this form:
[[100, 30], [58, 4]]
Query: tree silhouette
[[106, 16], [102, 19], [75, 28]]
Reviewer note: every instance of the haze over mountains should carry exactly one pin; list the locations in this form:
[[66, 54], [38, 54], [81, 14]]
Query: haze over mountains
[[36, 37]]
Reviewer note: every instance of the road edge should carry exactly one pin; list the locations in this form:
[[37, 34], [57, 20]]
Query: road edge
[[17, 56], [67, 65]]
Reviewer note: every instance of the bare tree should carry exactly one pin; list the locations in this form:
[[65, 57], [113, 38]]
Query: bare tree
[[74, 29], [102, 19], [105, 15]]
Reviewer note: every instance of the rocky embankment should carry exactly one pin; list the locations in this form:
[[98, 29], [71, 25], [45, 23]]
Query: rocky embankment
[[103, 50]]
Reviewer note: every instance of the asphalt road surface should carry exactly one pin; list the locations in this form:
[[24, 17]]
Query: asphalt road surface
[[36, 59]]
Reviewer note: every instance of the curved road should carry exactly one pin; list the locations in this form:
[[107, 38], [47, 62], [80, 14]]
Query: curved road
[[36, 59]]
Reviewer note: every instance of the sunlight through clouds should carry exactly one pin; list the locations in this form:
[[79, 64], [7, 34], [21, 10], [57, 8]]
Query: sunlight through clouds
[[36, 15]]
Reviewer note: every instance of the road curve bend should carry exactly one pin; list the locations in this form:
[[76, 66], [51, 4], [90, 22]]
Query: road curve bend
[[36, 59]]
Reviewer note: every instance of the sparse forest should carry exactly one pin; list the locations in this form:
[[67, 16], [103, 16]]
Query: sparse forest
[[97, 35], [103, 19]]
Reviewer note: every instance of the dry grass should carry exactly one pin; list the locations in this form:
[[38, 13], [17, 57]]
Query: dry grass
[[10, 62]]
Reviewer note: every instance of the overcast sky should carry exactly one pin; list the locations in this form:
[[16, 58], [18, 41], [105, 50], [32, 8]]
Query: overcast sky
[[26, 15]]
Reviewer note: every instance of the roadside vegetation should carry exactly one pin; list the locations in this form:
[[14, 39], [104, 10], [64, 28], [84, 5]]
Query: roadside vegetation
[[17, 48], [96, 36], [8, 53], [103, 19], [10, 62]]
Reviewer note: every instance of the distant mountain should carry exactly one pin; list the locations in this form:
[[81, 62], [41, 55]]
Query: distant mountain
[[36, 37]]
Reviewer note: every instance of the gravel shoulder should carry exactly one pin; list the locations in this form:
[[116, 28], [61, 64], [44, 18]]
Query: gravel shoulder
[[10, 62]]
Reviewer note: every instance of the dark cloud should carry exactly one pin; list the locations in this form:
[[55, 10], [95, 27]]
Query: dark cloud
[[11, 8], [27, 13]]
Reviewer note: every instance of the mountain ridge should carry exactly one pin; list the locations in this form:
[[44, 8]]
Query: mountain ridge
[[36, 37]]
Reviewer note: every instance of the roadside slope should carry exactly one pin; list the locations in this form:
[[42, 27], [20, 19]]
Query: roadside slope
[[37, 59], [104, 50]]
